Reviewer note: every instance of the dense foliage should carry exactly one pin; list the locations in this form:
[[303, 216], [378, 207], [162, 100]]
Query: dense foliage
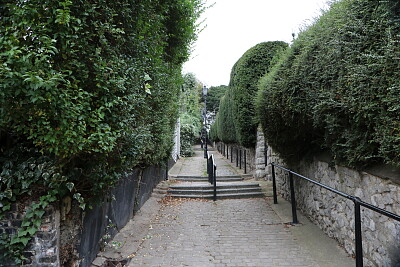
[[338, 87], [223, 128], [190, 116], [236, 121], [214, 96], [245, 75], [88, 90]]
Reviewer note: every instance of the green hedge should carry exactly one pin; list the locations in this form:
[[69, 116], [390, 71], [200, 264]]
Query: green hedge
[[88, 91], [244, 80], [190, 114], [338, 88], [214, 96], [226, 130]]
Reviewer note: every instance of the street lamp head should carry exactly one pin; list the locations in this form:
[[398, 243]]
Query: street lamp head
[[205, 89]]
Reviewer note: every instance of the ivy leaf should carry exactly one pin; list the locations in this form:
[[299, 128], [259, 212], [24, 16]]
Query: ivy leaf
[[26, 223], [147, 88]]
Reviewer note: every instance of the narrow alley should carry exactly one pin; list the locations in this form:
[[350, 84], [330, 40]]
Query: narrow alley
[[231, 232]]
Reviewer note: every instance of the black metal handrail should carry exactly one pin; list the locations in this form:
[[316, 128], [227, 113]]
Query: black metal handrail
[[357, 205], [212, 173]]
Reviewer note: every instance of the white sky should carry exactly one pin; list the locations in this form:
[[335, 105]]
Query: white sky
[[234, 26]]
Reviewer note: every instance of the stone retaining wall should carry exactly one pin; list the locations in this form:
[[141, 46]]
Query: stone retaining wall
[[69, 236], [43, 250], [335, 214]]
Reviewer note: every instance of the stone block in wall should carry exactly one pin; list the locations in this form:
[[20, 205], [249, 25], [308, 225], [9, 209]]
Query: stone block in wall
[[335, 214], [43, 249], [260, 174]]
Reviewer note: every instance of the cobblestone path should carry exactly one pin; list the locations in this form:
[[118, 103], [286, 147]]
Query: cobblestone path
[[244, 232]]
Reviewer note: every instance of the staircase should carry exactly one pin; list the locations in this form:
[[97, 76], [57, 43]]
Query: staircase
[[224, 190], [232, 178]]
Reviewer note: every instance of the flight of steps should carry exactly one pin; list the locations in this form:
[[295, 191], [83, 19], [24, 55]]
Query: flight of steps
[[233, 178], [224, 191]]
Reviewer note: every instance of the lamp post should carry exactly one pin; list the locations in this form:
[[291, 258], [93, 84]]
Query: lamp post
[[205, 89]]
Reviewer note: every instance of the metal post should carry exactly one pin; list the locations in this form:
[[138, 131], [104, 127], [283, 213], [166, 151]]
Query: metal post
[[209, 170], [227, 151], [245, 164], [240, 159], [274, 185], [215, 182], [237, 157], [293, 199], [265, 153], [231, 154], [357, 231], [205, 145], [166, 171]]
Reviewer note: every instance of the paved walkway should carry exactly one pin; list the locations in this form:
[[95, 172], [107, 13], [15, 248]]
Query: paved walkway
[[242, 232]]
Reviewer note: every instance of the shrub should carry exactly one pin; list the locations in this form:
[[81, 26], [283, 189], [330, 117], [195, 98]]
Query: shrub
[[88, 91], [190, 114], [214, 96], [337, 88], [226, 121], [245, 75]]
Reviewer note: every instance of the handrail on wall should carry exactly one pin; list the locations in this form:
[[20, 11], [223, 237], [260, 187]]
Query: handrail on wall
[[357, 204]]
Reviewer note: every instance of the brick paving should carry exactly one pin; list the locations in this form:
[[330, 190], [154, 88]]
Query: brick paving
[[237, 232], [244, 232]]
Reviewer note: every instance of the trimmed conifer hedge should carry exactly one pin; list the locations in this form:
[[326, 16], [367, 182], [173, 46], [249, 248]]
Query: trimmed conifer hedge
[[338, 87], [245, 75]]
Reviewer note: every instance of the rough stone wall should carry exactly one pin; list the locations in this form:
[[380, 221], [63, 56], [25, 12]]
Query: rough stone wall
[[43, 249], [260, 172], [177, 141], [69, 236], [335, 214]]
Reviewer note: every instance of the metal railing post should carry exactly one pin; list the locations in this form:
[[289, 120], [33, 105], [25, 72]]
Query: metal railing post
[[293, 199], [231, 154], [237, 157], [357, 232], [215, 181], [357, 207], [274, 184], [245, 163], [209, 170], [240, 159]]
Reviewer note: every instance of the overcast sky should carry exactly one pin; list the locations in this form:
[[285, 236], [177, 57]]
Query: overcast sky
[[234, 26]]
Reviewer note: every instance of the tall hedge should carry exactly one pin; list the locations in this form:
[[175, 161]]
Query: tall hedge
[[88, 91], [190, 115], [225, 122], [214, 96], [244, 81], [338, 87]]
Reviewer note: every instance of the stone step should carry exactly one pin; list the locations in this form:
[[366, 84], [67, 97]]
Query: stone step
[[211, 191], [219, 186], [205, 179], [222, 196]]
